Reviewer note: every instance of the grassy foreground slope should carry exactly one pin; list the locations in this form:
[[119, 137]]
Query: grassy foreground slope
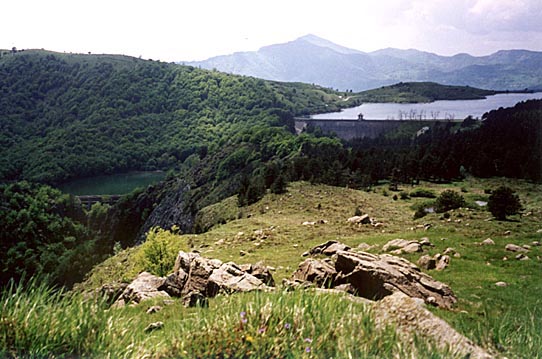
[[501, 319]]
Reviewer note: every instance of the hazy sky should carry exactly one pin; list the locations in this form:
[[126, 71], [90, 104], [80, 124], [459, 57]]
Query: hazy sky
[[193, 30]]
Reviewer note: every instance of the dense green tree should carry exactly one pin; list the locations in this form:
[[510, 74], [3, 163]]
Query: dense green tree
[[448, 200], [503, 202], [41, 234]]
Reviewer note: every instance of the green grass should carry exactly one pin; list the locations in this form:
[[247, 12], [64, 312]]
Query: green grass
[[502, 320], [40, 323]]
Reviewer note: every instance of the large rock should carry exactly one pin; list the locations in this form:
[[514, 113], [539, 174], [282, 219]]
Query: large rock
[[190, 274], [411, 319], [195, 274], [260, 271], [377, 276], [320, 272], [427, 262], [145, 286], [399, 246], [364, 219], [329, 248], [515, 248], [230, 278], [438, 262], [111, 292]]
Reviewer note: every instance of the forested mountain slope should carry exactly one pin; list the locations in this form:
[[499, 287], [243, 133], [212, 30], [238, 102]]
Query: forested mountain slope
[[65, 116]]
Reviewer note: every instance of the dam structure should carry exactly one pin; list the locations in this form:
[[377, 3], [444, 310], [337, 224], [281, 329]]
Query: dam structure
[[348, 129]]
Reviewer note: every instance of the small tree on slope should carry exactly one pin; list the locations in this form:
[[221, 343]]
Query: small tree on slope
[[503, 202]]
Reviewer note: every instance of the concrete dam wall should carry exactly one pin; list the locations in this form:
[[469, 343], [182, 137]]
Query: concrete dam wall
[[349, 129]]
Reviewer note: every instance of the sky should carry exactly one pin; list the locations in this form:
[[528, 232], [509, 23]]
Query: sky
[[181, 30]]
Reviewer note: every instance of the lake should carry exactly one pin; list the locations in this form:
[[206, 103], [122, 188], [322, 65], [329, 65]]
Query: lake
[[458, 109], [122, 183]]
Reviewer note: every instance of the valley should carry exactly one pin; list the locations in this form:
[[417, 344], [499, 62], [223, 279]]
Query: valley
[[216, 170]]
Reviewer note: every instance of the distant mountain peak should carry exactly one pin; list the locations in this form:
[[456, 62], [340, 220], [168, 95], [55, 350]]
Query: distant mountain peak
[[312, 59], [318, 41]]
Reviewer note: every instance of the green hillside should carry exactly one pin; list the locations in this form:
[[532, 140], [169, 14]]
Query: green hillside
[[404, 92], [273, 231], [65, 116], [243, 187]]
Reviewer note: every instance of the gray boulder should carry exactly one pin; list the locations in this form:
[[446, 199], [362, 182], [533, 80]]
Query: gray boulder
[[399, 246], [145, 286], [427, 262], [195, 277], [411, 319], [329, 248], [320, 272], [438, 262], [515, 248], [229, 278], [377, 276], [364, 219], [260, 271]]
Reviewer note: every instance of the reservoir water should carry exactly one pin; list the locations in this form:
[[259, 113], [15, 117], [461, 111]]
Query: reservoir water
[[111, 184], [458, 109]]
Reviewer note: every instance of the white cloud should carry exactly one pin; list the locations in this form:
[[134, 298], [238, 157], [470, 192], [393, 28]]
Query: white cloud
[[185, 30]]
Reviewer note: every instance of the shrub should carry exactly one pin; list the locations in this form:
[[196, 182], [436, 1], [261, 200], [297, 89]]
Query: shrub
[[503, 202], [404, 195], [157, 255], [420, 212], [422, 192], [449, 200], [279, 185]]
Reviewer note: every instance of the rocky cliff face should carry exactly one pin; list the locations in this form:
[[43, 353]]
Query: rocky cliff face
[[174, 208]]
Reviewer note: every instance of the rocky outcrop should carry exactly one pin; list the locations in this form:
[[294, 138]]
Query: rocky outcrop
[[320, 272], [329, 248], [377, 276], [260, 271], [374, 277], [196, 277], [111, 292], [410, 319], [145, 286], [399, 246], [173, 208]]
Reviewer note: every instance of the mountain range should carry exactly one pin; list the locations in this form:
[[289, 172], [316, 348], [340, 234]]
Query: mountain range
[[311, 59]]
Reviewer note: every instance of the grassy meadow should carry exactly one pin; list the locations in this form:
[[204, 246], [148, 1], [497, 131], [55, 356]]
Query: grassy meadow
[[506, 320]]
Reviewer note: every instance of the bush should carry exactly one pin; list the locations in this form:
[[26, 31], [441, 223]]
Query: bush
[[404, 195], [503, 202], [420, 212], [157, 255], [449, 200], [422, 192]]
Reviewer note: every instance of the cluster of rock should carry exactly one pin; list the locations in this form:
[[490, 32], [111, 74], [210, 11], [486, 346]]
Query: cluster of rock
[[196, 278], [365, 219], [399, 287], [370, 276]]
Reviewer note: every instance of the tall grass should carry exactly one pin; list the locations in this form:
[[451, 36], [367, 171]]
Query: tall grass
[[38, 322], [513, 333]]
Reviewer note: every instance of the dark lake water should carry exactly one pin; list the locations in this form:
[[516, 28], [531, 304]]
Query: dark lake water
[[111, 184], [458, 109]]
